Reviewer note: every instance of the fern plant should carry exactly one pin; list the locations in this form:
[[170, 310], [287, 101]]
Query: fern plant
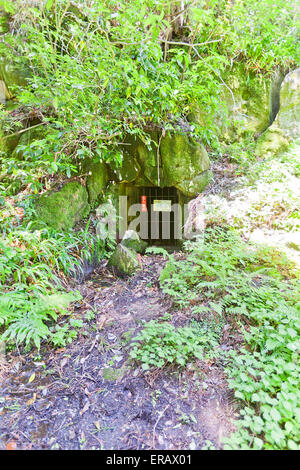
[[259, 290], [27, 318]]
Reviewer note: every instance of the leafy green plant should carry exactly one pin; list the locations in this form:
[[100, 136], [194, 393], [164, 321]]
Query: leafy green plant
[[27, 318], [33, 269], [138, 67], [161, 344], [248, 286]]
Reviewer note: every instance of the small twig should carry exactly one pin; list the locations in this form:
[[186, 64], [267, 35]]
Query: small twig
[[190, 44], [157, 421], [24, 130], [96, 438]]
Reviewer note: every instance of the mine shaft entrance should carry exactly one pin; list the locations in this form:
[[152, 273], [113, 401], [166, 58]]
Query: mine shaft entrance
[[158, 206]]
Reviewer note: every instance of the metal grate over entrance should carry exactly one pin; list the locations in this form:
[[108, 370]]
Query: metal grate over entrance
[[161, 225]]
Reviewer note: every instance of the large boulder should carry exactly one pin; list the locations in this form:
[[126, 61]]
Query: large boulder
[[288, 117], [185, 164], [130, 168], [195, 223], [247, 98], [139, 160], [271, 142], [192, 187], [124, 259], [63, 208]]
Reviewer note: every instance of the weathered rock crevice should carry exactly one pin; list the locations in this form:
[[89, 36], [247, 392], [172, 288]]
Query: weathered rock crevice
[[285, 123], [275, 96]]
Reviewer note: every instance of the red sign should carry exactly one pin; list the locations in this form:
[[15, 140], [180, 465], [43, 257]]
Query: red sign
[[144, 203]]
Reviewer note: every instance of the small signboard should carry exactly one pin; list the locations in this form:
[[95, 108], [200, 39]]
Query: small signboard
[[162, 205], [144, 203]]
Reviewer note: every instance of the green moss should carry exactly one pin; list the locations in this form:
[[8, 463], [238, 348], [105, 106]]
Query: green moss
[[288, 117], [247, 104], [13, 76], [196, 185], [130, 168], [271, 142], [63, 208], [183, 160], [96, 180], [132, 241], [124, 259]]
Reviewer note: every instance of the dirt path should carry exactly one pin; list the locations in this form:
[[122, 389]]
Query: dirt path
[[87, 395]]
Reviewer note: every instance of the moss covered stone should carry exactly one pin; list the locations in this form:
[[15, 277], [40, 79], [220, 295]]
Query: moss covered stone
[[133, 241], [130, 168], [272, 142], [195, 185], [140, 160], [11, 77], [96, 180], [247, 99], [185, 164], [286, 124], [63, 208], [124, 259]]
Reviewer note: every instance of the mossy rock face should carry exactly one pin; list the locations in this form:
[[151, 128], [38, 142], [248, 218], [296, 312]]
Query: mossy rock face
[[196, 185], [271, 142], [247, 100], [63, 208], [129, 170], [288, 118], [140, 160], [96, 180], [184, 163], [286, 125], [124, 259]]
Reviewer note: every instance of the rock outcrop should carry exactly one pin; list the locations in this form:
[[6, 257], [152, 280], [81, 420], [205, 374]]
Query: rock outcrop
[[286, 125], [62, 209], [183, 163], [96, 180]]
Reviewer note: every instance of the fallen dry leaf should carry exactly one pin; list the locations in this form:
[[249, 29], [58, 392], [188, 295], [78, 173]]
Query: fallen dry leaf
[[32, 377], [31, 400], [102, 319], [85, 408]]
